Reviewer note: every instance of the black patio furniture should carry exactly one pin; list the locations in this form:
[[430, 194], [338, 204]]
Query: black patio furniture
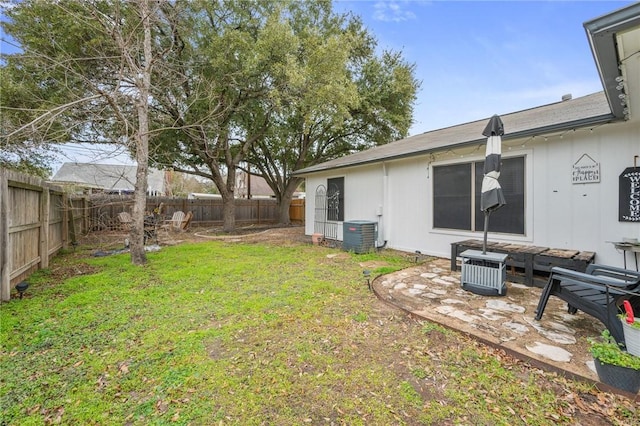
[[598, 292]]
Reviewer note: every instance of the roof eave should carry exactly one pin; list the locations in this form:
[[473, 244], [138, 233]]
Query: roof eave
[[601, 33], [571, 125]]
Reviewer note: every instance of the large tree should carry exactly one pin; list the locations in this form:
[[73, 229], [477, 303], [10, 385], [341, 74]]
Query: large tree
[[280, 86], [235, 56], [341, 98], [85, 69]]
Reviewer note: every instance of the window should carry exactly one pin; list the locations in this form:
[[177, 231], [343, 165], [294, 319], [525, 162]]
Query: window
[[335, 199], [454, 207], [452, 196]]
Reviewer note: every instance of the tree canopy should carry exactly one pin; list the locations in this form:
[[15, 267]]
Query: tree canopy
[[277, 85], [84, 74]]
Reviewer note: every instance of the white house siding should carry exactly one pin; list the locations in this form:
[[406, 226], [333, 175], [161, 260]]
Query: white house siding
[[408, 206], [583, 216], [559, 214], [363, 187]]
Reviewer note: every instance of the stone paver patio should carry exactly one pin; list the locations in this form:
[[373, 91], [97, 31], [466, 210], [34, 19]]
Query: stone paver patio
[[558, 341]]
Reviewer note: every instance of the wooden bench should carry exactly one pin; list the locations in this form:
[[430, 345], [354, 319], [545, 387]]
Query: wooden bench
[[527, 264]]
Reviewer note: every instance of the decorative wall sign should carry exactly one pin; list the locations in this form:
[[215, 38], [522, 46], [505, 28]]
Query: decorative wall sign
[[585, 170], [629, 198]]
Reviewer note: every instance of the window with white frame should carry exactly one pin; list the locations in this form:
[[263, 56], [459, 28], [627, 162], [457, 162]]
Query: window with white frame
[[456, 197]]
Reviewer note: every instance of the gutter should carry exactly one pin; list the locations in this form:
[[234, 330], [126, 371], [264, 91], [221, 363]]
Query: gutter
[[602, 35], [577, 124]]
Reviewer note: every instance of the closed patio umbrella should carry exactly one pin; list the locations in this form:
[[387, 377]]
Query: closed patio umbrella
[[491, 197]]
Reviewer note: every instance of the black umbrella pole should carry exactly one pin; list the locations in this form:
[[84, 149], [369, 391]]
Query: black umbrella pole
[[486, 228]]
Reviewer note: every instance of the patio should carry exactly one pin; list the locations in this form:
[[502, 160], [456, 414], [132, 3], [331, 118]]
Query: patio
[[558, 342]]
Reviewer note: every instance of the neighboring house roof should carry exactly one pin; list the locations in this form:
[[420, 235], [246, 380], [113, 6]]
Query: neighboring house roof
[[107, 176], [614, 40], [259, 186], [588, 110]]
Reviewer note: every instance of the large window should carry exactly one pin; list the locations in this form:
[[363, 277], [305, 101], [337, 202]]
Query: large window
[[335, 199], [456, 199]]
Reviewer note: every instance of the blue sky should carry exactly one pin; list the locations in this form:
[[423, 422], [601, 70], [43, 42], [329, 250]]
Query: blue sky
[[478, 58]]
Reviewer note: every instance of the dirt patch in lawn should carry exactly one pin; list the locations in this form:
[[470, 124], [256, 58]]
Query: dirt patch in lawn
[[280, 235]]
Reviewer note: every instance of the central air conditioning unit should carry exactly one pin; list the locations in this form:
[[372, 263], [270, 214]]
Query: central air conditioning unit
[[359, 236]]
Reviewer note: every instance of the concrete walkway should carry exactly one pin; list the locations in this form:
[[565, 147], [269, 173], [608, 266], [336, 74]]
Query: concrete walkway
[[557, 342]]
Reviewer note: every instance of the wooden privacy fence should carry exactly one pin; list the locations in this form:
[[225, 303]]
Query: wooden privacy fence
[[296, 210], [206, 212], [36, 221]]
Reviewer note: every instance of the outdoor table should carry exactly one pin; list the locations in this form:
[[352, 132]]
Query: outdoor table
[[628, 247]]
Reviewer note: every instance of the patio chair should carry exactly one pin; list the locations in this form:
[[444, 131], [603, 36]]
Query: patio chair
[[186, 221], [598, 292], [125, 220], [175, 223]]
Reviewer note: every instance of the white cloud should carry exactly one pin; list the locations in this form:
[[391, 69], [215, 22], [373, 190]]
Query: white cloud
[[392, 11]]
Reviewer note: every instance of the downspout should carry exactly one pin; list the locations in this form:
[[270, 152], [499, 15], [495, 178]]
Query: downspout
[[382, 229]]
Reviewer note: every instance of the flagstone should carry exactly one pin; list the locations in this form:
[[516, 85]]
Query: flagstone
[[516, 327], [501, 305], [554, 353], [442, 282], [490, 314], [428, 275]]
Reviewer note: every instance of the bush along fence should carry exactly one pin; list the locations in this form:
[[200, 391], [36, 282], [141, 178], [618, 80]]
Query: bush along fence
[[36, 221]]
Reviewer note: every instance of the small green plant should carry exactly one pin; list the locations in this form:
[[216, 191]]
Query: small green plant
[[410, 394], [634, 324], [383, 270], [360, 317], [608, 351], [432, 326], [420, 373]]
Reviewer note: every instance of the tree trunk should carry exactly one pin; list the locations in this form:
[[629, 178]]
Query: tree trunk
[[143, 83], [229, 202], [285, 201], [138, 255], [283, 211], [228, 214]]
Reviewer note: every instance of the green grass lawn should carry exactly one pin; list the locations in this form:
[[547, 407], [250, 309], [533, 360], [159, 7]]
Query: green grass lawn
[[250, 334]]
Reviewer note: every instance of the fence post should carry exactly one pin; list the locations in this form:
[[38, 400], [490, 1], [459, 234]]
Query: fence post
[[5, 258], [45, 199], [85, 214], [65, 220]]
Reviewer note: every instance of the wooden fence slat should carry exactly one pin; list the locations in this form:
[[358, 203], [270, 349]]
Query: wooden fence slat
[[45, 199], [5, 265]]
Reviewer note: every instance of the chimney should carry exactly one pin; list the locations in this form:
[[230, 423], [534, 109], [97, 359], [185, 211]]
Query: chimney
[[566, 97]]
